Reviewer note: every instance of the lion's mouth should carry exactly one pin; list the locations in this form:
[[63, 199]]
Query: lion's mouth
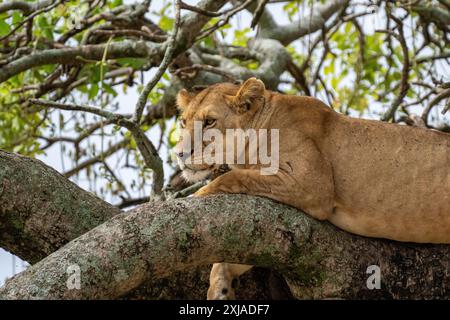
[[194, 175]]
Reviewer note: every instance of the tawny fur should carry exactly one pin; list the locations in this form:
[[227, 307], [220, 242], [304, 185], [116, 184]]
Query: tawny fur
[[370, 178]]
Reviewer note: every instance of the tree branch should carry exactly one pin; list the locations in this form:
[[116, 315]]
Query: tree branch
[[126, 48], [98, 158], [404, 84], [147, 149], [24, 6], [303, 26], [168, 56], [40, 210], [438, 98], [156, 240]]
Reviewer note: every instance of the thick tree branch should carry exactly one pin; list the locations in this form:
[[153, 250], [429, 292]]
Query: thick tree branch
[[24, 6], [126, 48], [40, 210], [303, 26], [273, 59], [156, 240]]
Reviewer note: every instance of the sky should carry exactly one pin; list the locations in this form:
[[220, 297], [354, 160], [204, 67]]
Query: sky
[[126, 102]]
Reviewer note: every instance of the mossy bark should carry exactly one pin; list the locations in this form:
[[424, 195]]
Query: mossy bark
[[41, 210], [155, 241]]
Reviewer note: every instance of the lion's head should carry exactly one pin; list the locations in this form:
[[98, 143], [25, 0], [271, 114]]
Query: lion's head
[[220, 106]]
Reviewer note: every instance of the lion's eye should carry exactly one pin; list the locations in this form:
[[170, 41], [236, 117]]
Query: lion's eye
[[182, 123], [210, 123]]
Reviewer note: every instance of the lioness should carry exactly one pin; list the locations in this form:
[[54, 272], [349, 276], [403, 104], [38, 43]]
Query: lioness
[[367, 177]]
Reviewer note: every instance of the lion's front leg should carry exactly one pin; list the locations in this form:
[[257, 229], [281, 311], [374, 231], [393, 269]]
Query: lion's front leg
[[310, 189], [246, 181], [224, 276], [223, 280]]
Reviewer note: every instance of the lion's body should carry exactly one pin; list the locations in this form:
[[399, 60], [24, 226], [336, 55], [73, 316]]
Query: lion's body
[[367, 177], [390, 181]]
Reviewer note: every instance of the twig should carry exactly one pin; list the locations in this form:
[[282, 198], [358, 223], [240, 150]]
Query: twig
[[145, 146], [404, 85], [258, 12], [299, 76], [438, 98], [97, 159], [30, 17], [168, 55], [74, 107], [447, 107], [445, 55], [207, 13], [224, 20], [131, 32]]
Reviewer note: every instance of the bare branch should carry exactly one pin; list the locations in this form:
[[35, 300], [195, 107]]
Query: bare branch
[[98, 158], [31, 16], [139, 109], [438, 98], [258, 12], [404, 84], [224, 20], [73, 107], [204, 12], [24, 6], [429, 58]]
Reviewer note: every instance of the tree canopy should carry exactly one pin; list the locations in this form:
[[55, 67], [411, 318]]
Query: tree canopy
[[374, 59]]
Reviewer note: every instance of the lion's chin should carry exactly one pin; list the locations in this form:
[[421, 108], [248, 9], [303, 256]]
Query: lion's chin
[[195, 175]]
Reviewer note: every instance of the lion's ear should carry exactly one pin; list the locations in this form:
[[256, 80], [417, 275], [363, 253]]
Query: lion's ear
[[183, 99], [249, 94]]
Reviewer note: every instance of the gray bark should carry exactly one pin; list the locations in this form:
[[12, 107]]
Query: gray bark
[[157, 240], [40, 210], [305, 25]]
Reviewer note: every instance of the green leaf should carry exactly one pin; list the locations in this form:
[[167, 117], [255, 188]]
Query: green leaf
[[93, 91], [135, 63], [348, 27], [174, 135], [115, 3], [107, 88], [4, 28], [16, 18], [166, 23]]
